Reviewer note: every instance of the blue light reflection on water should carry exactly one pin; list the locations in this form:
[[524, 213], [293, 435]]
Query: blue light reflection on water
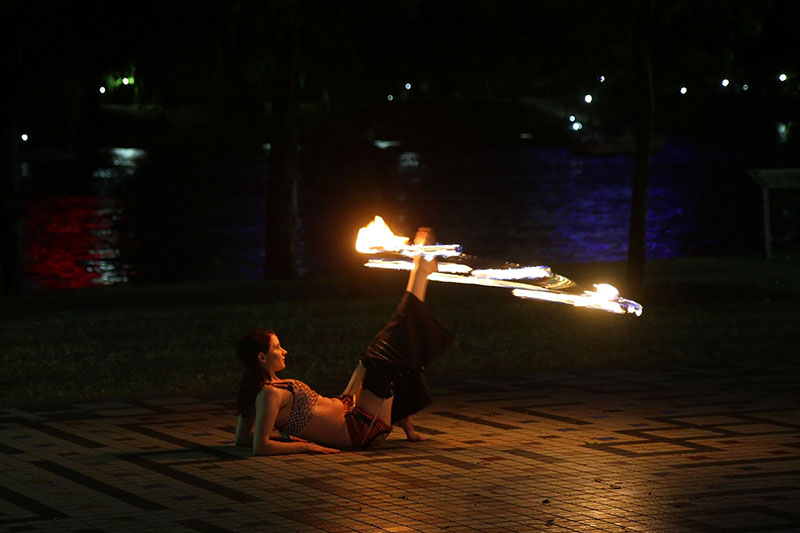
[[548, 205]]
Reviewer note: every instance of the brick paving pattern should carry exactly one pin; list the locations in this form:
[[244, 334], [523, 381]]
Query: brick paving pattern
[[619, 450]]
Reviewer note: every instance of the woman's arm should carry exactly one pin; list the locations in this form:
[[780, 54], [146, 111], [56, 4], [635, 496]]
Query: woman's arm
[[268, 403], [244, 431]]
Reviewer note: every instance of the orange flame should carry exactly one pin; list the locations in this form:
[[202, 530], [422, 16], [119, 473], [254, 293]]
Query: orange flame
[[537, 282], [376, 237]]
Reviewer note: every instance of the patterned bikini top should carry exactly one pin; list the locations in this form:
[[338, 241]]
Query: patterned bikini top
[[304, 399]]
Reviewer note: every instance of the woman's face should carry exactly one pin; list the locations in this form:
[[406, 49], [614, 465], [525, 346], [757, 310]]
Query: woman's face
[[275, 358]]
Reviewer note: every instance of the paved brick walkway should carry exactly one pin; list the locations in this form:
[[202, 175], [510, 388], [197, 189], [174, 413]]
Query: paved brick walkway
[[682, 450]]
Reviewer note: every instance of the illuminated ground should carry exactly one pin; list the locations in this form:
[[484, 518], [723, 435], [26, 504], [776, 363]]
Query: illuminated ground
[[681, 450]]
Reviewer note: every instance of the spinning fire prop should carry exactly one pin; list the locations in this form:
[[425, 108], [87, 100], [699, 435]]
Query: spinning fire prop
[[533, 282]]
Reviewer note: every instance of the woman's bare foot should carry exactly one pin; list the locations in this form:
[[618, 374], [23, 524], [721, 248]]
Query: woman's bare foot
[[418, 278], [425, 266], [408, 428]]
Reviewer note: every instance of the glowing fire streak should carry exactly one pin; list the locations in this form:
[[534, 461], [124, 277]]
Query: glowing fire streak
[[537, 272], [447, 274], [589, 299], [450, 268], [541, 284], [376, 237], [601, 299]]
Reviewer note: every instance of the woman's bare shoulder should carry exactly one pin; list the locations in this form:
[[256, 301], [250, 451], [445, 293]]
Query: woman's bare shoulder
[[270, 394]]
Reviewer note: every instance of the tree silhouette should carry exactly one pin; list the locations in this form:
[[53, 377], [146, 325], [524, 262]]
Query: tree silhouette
[[643, 131], [282, 200], [11, 268]]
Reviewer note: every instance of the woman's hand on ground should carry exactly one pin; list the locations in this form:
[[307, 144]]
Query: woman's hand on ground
[[312, 447]]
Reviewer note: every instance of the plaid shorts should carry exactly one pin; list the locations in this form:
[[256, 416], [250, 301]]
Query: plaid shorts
[[365, 429]]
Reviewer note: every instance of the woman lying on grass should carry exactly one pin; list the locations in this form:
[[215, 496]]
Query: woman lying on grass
[[280, 416]]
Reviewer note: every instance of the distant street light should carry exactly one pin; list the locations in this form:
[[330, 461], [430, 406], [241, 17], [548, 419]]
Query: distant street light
[[725, 82], [783, 77], [408, 86], [24, 137], [572, 118], [684, 90], [102, 90], [602, 78], [745, 87], [125, 81], [588, 98], [390, 97], [577, 126]]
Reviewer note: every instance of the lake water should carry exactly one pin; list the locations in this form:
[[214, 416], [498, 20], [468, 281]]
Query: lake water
[[129, 215]]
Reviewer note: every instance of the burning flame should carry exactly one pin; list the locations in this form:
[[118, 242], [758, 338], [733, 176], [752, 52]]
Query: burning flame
[[603, 291], [377, 237], [530, 282], [605, 297], [535, 272]]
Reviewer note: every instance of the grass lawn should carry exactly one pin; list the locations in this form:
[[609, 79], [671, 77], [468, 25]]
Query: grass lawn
[[133, 341]]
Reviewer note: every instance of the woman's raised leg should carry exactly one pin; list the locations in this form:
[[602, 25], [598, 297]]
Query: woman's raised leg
[[423, 267], [418, 279], [366, 399]]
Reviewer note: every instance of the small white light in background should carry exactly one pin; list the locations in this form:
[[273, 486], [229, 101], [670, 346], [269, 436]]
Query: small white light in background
[[102, 90], [684, 90], [783, 77], [725, 82], [390, 97], [24, 137], [588, 98], [125, 81], [577, 126], [572, 118], [602, 78], [745, 87], [408, 86], [383, 145]]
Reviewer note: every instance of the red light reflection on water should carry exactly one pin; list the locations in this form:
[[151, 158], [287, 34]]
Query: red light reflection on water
[[71, 243]]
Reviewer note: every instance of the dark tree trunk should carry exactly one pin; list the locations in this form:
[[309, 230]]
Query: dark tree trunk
[[643, 130], [11, 215], [282, 201], [11, 249]]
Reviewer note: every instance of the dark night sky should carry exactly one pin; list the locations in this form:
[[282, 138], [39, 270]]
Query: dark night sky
[[211, 52]]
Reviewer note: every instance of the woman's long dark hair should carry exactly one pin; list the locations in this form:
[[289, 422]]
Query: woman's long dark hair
[[247, 350]]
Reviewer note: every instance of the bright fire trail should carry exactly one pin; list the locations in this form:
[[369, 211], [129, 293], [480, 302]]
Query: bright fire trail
[[532, 282]]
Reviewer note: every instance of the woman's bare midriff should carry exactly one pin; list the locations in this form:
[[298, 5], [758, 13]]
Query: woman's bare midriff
[[327, 426]]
